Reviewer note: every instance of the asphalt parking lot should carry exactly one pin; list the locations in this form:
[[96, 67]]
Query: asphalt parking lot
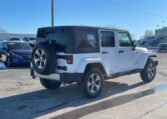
[[123, 98]]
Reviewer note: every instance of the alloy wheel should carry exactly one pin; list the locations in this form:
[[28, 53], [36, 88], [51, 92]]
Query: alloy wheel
[[40, 58], [151, 71], [94, 83]]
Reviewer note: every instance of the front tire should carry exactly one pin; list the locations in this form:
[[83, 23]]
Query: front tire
[[8, 62], [149, 72], [49, 84], [92, 85]]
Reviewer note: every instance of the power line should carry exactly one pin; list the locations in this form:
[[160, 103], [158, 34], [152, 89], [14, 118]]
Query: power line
[[135, 10]]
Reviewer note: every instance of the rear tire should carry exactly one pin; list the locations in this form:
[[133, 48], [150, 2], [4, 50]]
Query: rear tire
[[49, 84], [149, 72], [92, 85]]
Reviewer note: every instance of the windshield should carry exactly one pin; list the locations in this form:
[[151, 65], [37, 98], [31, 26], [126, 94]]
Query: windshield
[[19, 46], [31, 39], [14, 39]]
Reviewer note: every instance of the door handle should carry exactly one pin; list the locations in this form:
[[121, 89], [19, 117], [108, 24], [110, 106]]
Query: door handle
[[121, 51], [104, 52]]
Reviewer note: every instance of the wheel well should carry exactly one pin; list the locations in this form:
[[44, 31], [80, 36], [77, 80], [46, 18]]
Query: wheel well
[[150, 58], [97, 65]]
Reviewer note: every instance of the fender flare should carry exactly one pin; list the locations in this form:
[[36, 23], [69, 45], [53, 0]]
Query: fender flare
[[146, 57], [84, 62]]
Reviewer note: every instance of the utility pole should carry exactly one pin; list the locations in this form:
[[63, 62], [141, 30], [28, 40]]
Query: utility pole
[[52, 13]]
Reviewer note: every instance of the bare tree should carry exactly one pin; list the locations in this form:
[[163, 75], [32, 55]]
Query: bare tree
[[148, 33], [133, 36]]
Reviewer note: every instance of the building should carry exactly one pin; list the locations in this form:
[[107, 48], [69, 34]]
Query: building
[[6, 36], [161, 32]]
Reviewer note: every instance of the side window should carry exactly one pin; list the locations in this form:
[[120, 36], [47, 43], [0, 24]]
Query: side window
[[124, 39], [86, 39], [107, 39]]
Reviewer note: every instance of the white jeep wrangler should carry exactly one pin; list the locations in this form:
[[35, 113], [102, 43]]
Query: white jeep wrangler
[[88, 55]]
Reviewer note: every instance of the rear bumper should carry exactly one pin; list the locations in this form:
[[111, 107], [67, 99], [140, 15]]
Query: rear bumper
[[62, 77]]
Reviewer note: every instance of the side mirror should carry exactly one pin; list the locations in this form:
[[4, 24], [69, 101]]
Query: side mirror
[[134, 44]]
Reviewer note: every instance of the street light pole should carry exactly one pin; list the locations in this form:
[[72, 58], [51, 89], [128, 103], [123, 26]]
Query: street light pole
[[52, 13]]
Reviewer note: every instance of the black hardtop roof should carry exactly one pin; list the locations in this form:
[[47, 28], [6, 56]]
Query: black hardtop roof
[[86, 27]]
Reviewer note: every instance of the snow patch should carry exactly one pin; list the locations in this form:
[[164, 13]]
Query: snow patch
[[2, 66]]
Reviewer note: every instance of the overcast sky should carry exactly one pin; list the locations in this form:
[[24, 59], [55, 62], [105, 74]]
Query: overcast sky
[[25, 16]]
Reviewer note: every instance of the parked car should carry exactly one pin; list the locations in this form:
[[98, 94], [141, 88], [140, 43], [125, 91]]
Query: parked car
[[14, 39], [146, 41], [15, 53], [162, 47], [158, 44], [30, 40], [88, 55]]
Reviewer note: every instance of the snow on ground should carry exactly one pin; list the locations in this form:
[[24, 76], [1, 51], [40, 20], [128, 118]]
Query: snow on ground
[[2, 66]]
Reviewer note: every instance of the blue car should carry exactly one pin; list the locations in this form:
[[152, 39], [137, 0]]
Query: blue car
[[15, 53]]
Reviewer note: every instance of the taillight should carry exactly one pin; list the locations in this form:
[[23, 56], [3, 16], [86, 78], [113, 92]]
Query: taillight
[[69, 59]]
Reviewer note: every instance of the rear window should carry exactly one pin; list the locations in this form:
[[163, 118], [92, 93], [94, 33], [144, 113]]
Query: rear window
[[59, 35]]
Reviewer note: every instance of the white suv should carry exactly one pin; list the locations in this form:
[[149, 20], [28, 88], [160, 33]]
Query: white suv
[[88, 55]]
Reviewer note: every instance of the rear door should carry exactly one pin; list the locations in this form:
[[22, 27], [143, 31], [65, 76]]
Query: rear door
[[127, 59], [108, 51]]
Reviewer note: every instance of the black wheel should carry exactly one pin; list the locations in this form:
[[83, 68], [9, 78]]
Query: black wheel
[[44, 58], [8, 62], [49, 84], [149, 72], [92, 83]]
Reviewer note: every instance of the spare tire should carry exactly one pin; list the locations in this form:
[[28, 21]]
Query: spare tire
[[44, 58]]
